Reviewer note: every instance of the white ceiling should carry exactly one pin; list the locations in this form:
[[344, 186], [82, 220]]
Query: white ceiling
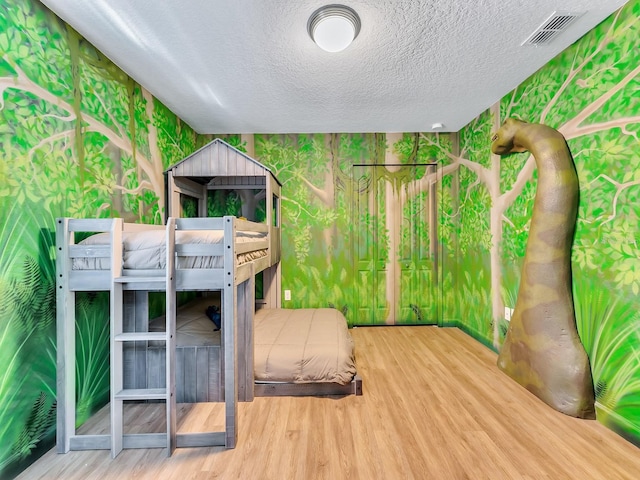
[[249, 66]]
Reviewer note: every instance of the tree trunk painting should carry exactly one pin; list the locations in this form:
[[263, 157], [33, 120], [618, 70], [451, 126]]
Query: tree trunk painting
[[393, 207], [151, 166]]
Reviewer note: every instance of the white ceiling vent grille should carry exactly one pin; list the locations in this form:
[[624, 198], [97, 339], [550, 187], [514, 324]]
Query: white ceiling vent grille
[[553, 26]]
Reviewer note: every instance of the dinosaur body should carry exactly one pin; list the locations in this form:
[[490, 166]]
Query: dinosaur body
[[542, 350]]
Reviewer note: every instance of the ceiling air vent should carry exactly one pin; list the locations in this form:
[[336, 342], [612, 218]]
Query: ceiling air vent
[[551, 28]]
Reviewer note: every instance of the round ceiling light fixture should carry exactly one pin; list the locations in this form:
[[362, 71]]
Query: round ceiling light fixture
[[334, 27]]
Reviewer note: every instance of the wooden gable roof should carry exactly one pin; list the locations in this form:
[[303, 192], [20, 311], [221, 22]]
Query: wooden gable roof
[[219, 159]]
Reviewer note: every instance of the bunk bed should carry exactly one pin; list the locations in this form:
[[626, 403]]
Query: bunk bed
[[186, 263], [218, 257]]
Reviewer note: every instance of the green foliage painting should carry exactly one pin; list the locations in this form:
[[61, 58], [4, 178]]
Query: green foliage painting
[[590, 94], [79, 138], [329, 243], [368, 226]]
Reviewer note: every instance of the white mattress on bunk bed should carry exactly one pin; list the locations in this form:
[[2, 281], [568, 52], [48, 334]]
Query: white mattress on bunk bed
[[303, 346], [145, 250]]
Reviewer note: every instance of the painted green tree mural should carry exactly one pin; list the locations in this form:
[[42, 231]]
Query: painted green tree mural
[[317, 173], [589, 94], [312, 170], [78, 138]]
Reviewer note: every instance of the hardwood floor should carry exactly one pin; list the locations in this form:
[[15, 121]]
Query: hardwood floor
[[435, 406]]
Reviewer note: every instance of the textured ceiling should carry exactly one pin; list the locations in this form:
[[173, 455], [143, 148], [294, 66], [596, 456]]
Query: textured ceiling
[[249, 66]]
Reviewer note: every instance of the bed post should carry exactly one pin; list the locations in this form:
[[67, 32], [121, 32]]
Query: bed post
[[246, 307], [170, 332], [229, 326], [66, 346]]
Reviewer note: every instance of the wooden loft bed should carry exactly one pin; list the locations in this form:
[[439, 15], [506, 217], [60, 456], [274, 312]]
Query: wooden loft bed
[[104, 262], [116, 260], [146, 364]]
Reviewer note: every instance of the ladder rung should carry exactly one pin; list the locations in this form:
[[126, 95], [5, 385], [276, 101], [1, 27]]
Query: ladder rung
[[140, 336], [132, 279], [142, 394]]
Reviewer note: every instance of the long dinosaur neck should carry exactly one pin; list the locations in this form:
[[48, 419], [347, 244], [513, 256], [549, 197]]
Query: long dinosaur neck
[[556, 202]]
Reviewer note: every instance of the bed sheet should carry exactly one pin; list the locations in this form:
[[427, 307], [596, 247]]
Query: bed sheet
[[303, 346]]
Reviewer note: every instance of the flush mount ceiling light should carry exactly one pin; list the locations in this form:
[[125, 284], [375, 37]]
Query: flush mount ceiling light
[[334, 27]]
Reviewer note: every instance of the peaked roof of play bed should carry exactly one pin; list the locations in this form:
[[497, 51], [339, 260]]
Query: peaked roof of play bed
[[219, 159]]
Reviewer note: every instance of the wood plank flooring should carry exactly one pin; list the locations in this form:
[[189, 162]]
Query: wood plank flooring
[[435, 406]]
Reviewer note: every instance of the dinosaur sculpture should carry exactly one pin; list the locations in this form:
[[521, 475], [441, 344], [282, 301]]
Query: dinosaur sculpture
[[542, 350]]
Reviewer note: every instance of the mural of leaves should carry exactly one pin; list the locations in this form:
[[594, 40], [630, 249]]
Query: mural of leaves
[[78, 138], [588, 93]]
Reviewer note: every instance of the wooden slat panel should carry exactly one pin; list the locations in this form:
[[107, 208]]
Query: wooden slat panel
[[216, 164], [212, 439], [199, 164], [202, 374], [89, 280], [90, 442], [199, 223], [199, 250], [89, 251], [235, 182], [226, 162], [144, 440], [252, 246], [199, 279], [214, 376], [91, 224], [156, 367], [140, 227], [190, 382], [241, 164], [180, 366]]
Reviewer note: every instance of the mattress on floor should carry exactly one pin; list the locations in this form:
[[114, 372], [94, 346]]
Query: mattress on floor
[[303, 346]]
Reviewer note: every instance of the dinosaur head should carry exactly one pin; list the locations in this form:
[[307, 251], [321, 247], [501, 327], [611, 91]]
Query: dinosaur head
[[503, 141]]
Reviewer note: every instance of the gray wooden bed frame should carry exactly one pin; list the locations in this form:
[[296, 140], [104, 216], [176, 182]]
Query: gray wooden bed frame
[[235, 281], [142, 370]]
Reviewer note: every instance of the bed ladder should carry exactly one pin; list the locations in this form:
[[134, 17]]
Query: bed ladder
[[119, 337]]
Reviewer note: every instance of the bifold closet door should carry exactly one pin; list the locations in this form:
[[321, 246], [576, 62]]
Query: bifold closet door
[[394, 220]]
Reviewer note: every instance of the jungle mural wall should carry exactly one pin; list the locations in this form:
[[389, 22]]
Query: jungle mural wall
[[359, 217], [78, 138], [590, 94]]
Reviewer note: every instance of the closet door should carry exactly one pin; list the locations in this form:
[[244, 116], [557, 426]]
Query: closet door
[[394, 244], [370, 260], [418, 247]]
